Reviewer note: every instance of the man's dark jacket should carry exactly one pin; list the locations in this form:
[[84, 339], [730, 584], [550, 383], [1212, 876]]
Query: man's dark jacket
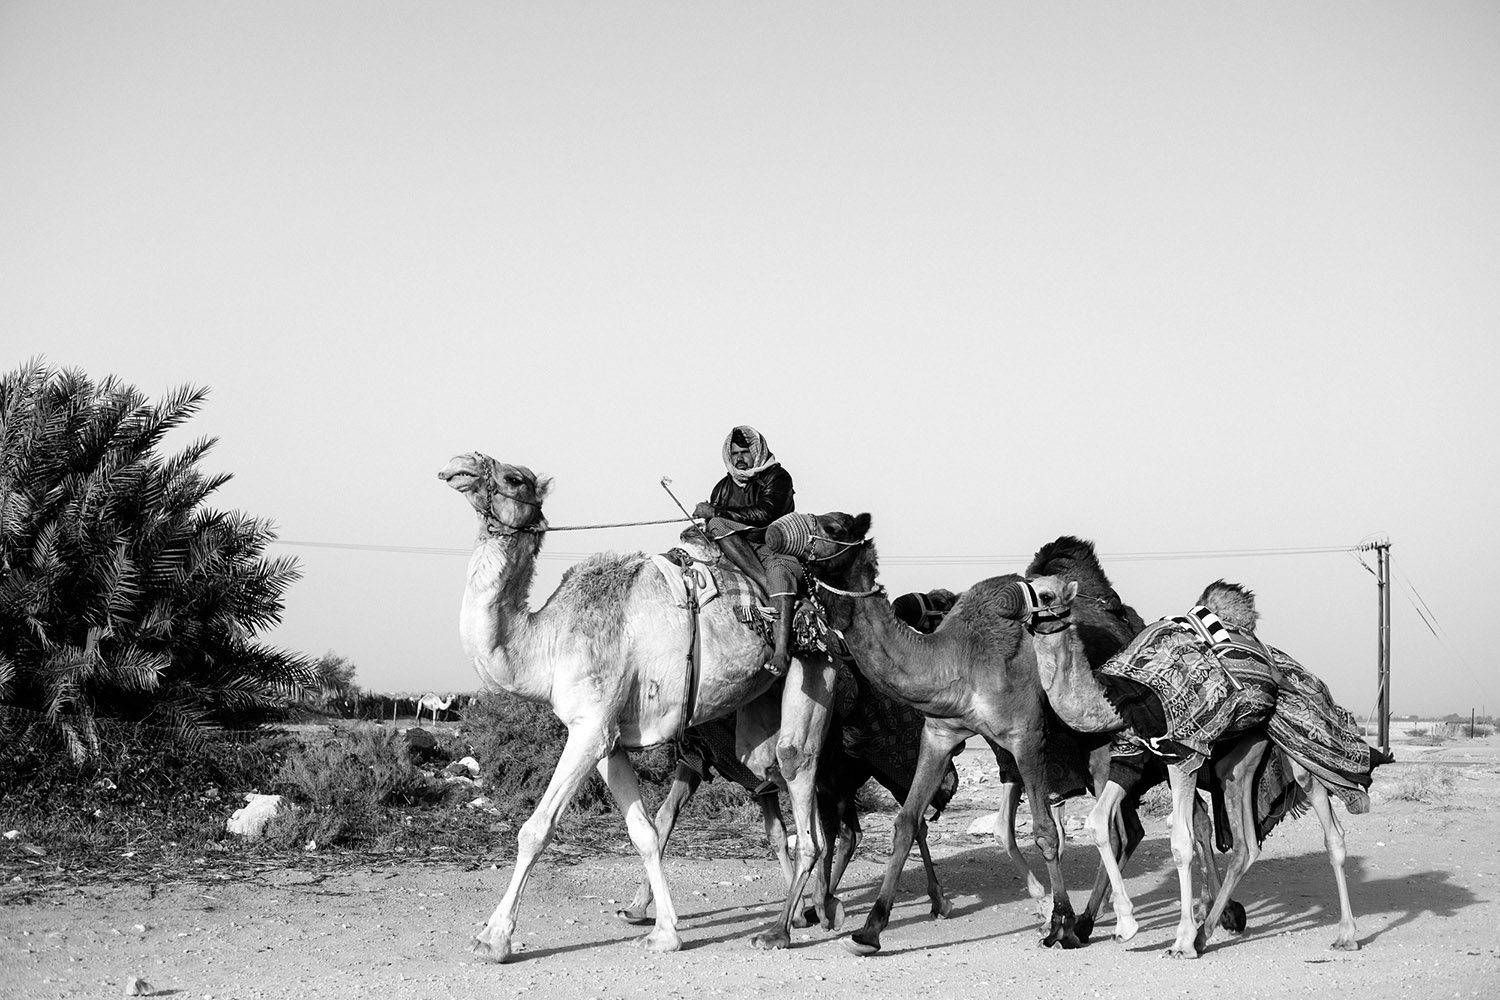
[[760, 501]]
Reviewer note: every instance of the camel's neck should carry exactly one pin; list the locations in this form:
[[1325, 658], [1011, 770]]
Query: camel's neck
[[494, 621], [1071, 685], [920, 670]]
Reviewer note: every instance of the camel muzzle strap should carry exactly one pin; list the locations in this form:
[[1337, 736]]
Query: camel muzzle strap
[[1044, 619]]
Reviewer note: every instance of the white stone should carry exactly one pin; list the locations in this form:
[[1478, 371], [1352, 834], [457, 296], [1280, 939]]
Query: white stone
[[985, 826], [252, 819]]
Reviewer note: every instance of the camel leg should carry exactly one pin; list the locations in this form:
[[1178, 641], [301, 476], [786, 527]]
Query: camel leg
[[938, 744], [1101, 826], [806, 714], [850, 834], [582, 750], [1333, 839], [684, 783], [841, 833], [620, 775], [1236, 770], [1005, 832], [941, 905], [1184, 780], [1125, 835], [774, 825], [1030, 757]]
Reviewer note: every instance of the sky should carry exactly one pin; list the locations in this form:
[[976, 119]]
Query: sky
[[1201, 282]]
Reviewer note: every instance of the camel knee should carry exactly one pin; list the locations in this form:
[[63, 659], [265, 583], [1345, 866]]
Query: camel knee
[[1182, 847], [906, 824], [533, 836], [791, 760], [1098, 830]]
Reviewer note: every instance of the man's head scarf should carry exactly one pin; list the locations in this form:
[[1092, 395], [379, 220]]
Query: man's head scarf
[[761, 458]]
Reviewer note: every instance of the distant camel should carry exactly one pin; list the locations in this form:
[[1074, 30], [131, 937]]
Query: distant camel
[[624, 666], [432, 703]]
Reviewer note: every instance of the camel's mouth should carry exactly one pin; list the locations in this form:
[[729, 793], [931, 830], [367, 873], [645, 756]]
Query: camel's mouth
[[460, 475]]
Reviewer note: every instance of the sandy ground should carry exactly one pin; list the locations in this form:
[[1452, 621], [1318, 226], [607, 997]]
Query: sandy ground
[[1424, 878]]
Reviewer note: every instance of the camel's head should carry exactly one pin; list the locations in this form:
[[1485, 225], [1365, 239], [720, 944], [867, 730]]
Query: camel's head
[[1043, 604], [507, 497], [836, 548]]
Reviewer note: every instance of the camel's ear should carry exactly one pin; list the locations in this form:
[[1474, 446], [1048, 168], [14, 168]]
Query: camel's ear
[[861, 525], [1070, 592], [543, 487]]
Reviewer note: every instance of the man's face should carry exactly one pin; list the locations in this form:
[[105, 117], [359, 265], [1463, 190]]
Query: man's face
[[739, 457]]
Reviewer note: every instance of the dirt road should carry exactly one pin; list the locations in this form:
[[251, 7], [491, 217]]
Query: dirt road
[[1425, 878]]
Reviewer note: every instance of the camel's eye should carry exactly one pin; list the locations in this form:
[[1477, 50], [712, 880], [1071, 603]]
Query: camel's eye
[[511, 479]]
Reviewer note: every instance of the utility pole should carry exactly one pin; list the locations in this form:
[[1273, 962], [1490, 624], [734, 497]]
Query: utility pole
[[1383, 661]]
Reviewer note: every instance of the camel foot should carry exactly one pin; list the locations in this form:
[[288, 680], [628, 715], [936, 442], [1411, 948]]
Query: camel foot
[[634, 916], [807, 918], [862, 944], [771, 939], [1083, 926], [1125, 927], [833, 915], [659, 940], [486, 951], [941, 907], [1060, 933], [1233, 918], [1345, 944], [1181, 953]]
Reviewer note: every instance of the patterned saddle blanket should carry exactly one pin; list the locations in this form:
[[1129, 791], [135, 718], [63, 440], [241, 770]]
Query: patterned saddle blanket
[[695, 579], [1207, 689]]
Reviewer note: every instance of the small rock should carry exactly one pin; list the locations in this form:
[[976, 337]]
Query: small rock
[[138, 987], [985, 826], [12, 835]]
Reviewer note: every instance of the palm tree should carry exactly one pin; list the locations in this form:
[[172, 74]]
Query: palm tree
[[121, 594]]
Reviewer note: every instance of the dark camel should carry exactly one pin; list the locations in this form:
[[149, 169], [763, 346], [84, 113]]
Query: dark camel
[[975, 675], [872, 737]]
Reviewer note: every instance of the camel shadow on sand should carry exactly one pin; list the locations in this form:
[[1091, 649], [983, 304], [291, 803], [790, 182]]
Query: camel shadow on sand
[[1281, 895], [1295, 893]]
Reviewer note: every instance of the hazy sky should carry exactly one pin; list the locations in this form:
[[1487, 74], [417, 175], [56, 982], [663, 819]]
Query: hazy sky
[[1178, 277]]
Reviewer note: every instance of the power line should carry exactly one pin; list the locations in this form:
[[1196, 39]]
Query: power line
[[1009, 559]]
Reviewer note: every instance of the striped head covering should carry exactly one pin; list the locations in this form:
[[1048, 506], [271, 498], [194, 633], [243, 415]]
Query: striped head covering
[[761, 458]]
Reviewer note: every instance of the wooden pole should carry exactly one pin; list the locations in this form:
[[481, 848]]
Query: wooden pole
[[1383, 552]]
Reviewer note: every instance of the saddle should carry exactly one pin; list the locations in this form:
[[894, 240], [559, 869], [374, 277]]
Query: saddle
[[698, 582]]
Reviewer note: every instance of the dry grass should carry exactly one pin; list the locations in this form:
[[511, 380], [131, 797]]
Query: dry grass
[[1428, 783]]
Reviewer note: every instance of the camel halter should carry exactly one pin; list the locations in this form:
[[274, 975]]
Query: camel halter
[[876, 590], [796, 534], [1039, 618]]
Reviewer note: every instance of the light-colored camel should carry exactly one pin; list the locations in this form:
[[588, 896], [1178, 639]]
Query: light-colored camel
[[976, 674], [610, 651], [1081, 700], [432, 703]]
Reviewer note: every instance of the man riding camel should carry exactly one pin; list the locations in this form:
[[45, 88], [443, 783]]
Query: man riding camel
[[756, 491]]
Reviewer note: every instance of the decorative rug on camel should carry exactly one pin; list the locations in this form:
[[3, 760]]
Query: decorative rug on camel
[[1204, 691]]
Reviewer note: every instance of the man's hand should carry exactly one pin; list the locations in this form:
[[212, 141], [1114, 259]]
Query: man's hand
[[704, 511]]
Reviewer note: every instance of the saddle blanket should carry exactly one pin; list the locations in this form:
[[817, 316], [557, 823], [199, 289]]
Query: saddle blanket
[[681, 569], [1318, 733], [1206, 691]]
